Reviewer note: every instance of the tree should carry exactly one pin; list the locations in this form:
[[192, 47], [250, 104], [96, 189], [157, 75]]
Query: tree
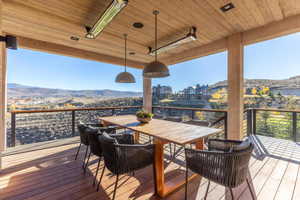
[[265, 90], [254, 91]]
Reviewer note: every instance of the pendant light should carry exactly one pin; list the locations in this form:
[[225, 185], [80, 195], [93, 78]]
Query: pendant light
[[156, 69], [125, 77]]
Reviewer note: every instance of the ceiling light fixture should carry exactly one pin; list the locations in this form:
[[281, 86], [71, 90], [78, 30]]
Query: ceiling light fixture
[[125, 77], [156, 69], [191, 36], [227, 7], [10, 41], [113, 10]]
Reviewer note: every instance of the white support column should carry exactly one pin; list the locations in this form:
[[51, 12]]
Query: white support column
[[147, 94], [3, 93], [235, 86]]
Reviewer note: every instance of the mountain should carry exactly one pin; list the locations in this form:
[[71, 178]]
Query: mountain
[[290, 83], [17, 90]]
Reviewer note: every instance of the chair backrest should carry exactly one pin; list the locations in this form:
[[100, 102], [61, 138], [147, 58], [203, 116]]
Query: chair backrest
[[124, 158], [226, 168], [95, 145], [83, 135], [109, 151]]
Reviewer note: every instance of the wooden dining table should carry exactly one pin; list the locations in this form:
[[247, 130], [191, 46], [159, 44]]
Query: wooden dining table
[[164, 132]]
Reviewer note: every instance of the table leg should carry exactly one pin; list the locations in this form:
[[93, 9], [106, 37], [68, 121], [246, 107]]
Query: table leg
[[163, 187], [200, 144], [159, 166]]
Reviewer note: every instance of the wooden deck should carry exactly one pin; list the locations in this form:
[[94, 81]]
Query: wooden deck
[[52, 173]]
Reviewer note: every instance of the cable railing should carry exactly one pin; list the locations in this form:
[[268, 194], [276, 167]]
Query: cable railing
[[31, 126], [278, 123], [196, 116]]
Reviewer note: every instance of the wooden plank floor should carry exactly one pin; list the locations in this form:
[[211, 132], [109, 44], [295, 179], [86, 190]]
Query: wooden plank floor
[[52, 173]]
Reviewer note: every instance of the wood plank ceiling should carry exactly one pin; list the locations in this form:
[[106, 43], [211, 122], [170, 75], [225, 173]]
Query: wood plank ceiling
[[56, 21]]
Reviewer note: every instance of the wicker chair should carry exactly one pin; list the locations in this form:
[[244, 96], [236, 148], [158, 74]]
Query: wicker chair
[[225, 162], [95, 145], [122, 158], [84, 137], [83, 140]]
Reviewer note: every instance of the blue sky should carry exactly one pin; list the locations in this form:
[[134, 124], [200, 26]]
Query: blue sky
[[274, 59]]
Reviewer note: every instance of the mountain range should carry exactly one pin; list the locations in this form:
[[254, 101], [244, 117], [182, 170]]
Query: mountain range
[[18, 90], [290, 83]]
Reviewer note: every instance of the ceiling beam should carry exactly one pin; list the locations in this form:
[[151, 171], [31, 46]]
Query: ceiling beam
[[43, 46], [197, 52], [276, 29]]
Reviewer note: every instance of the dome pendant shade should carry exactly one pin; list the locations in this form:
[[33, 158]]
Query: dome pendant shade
[[156, 69], [125, 77]]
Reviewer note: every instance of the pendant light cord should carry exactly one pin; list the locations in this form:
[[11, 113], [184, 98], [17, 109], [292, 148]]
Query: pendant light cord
[[125, 36], [156, 13]]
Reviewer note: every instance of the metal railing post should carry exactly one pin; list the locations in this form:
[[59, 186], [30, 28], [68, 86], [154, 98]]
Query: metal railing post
[[254, 113], [193, 114], [13, 130], [73, 123], [249, 122], [113, 112], [225, 125], [295, 126]]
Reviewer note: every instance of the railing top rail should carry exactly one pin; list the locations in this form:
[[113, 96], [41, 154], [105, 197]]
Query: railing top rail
[[71, 109], [277, 110], [189, 108]]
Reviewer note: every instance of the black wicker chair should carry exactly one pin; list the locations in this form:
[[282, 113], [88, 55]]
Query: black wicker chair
[[84, 136], [225, 162], [122, 158], [95, 145], [83, 140]]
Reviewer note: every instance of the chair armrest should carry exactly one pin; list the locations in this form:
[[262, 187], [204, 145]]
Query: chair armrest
[[123, 138], [222, 145]]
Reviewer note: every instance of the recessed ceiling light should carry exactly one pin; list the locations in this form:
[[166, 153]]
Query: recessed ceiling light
[[227, 7], [74, 38], [138, 25], [132, 53]]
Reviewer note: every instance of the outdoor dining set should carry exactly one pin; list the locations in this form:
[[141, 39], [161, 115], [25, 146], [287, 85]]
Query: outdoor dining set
[[222, 161]]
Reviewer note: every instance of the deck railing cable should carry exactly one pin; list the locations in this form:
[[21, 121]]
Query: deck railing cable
[[28, 126]]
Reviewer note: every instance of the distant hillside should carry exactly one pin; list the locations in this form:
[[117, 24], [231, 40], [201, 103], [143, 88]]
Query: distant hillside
[[17, 90], [290, 83]]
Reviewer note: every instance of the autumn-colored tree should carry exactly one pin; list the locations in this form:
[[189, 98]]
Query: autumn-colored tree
[[12, 107], [67, 105], [254, 91], [265, 90]]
